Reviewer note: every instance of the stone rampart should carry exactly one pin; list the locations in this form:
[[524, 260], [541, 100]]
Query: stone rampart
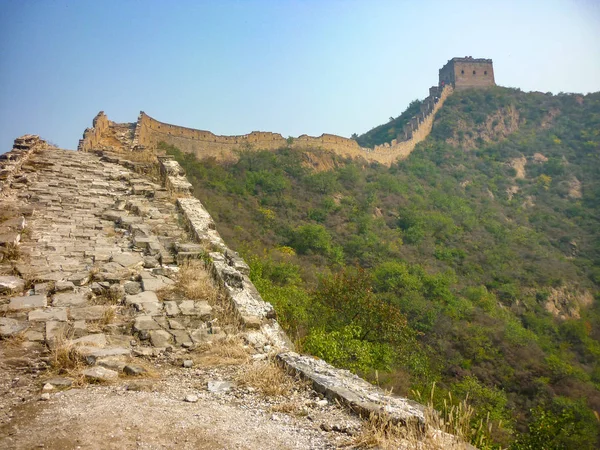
[[93, 136], [417, 130], [149, 132], [11, 162]]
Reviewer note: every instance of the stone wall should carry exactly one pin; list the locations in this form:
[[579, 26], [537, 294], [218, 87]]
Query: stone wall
[[149, 132], [468, 72], [416, 131], [11, 162], [93, 136]]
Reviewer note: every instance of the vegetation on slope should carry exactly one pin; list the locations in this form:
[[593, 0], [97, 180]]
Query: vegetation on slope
[[390, 130], [474, 264]]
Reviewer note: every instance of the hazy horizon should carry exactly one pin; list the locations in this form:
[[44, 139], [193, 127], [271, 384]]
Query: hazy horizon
[[290, 67]]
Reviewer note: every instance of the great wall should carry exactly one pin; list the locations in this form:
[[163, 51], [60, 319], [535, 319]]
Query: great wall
[[91, 245], [147, 132]]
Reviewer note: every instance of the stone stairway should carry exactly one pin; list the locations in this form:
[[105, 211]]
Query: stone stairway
[[98, 254]]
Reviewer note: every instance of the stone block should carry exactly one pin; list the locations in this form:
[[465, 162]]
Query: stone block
[[145, 323], [10, 327], [155, 284], [95, 340], [95, 312], [70, 299], [171, 308], [160, 338], [100, 373], [43, 315], [10, 285], [128, 259], [27, 302]]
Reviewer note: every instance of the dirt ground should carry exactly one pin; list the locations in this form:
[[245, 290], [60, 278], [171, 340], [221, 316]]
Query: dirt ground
[[151, 413]]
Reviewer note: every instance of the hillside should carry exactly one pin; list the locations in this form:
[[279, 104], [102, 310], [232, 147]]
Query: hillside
[[390, 130], [474, 264]]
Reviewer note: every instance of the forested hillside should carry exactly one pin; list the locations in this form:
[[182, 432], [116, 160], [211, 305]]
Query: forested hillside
[[474, 263]]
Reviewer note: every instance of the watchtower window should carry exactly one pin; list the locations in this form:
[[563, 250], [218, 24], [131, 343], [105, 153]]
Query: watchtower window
[[462, 72], [485, 72], [474, 72]]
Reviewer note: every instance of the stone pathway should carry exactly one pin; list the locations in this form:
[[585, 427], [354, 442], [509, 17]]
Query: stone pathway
[[98, 243]]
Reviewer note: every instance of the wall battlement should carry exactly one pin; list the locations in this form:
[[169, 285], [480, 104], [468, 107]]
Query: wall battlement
[[458, 73], [467, 73], [149, 132]]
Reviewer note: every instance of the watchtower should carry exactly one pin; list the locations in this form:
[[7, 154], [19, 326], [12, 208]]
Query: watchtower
[[467, 72]]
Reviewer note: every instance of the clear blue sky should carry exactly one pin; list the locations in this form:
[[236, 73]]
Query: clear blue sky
[[291, 67]]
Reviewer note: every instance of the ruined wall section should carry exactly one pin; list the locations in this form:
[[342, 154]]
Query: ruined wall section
[[92, 137], [149, 132]]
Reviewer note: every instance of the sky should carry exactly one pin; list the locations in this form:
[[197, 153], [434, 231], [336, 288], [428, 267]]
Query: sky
[[292, 67]]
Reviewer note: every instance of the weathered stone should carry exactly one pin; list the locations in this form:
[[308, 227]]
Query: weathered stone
[[34, 336], [218, 387], [181, 336], [132, 287], [134, 370], [69, 299], [79, 329], [55, 331], [150, 308], [28, 302], [160, 338], [150, 262], [188, 363], [143, 297], [59, 314], [127, 259], [60, 382], [92, 354], [95, 312], [145, 323], [144, 351], [42, 288], [342, 385], [191, 398], [96, 340], [155, 284], [61, 286], [171, 308], [100, 373], [112, 363], [200, 309], [10, 285], [79, 278], [175, 325], [10, 327], [12, 238]]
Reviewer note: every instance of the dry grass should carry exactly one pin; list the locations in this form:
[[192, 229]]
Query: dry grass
[[195, 283], [107, 297], [379, 431], [225, 352], [448, 429], [108, 316], [66, 360], [268, 378], [16, 340], [11, 252]]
